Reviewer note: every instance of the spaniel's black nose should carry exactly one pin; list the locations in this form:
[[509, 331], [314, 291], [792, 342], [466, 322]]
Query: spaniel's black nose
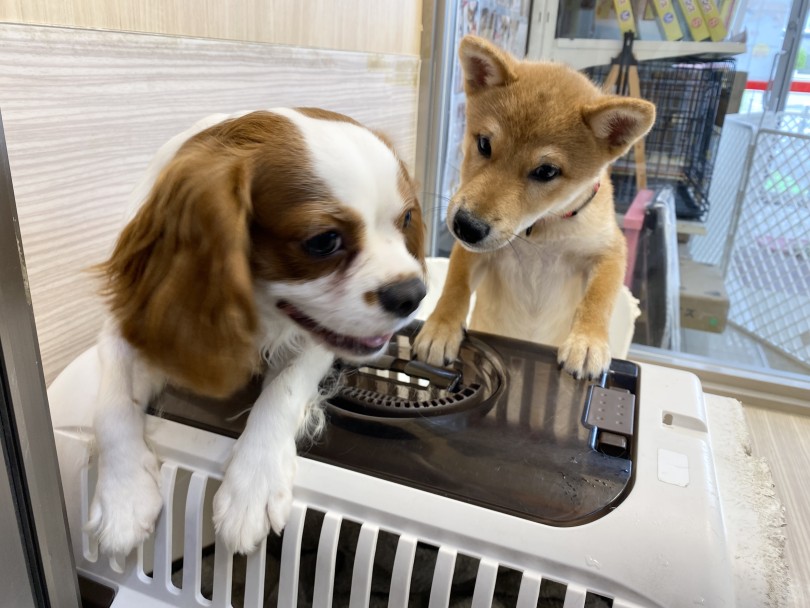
[[402, 298]]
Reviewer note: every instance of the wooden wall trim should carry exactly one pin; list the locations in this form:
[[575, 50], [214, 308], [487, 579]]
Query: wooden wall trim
[[379, 26], [84, 112]]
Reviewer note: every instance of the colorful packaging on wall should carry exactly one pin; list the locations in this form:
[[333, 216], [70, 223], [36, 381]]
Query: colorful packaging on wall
[[667, 21], [694, 20], [624, 15], [717, 29]]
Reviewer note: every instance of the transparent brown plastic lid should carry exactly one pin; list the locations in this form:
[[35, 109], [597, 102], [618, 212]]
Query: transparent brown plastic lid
[[502, 428]]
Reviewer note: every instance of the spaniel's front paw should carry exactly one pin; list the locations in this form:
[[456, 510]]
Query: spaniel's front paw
[[254, 498], [126, 504]]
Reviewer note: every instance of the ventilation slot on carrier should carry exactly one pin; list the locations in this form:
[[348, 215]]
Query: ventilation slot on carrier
[[322, 559], [395, 386]]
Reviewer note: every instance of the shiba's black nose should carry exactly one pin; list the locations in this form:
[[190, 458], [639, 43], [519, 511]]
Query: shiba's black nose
[[402, 298], [469, 228]]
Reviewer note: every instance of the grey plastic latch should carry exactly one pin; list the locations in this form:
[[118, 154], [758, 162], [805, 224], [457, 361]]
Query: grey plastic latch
[[610, 409], [609, 413]]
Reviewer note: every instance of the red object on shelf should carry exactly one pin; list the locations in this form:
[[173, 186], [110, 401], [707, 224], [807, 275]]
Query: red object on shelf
[[797, 86], [631, 226]]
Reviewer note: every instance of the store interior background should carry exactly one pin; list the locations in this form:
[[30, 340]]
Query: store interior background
[[768, 42]]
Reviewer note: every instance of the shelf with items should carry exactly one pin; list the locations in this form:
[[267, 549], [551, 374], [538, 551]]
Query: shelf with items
[[580, 52]]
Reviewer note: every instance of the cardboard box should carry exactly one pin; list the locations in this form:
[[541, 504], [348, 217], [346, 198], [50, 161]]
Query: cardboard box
[[704, 301]]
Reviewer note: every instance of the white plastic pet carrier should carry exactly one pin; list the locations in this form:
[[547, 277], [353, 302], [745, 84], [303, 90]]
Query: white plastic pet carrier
[[500, 490]]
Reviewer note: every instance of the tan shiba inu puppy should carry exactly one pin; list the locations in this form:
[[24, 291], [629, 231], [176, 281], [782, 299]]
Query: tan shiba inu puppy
[[537, 239]]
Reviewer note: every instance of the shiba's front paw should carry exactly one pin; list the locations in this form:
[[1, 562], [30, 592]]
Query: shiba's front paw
[[583, 356], [126, 504], [255, 497], [438, 342]]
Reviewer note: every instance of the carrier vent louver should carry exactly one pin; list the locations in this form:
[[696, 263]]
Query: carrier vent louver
[[322, 560]]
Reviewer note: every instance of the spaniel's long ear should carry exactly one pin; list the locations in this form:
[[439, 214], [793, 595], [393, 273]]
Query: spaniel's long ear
[[179, 279]]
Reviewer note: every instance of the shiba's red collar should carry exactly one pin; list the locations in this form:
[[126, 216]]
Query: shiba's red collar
[[571, 213], [595, 189]]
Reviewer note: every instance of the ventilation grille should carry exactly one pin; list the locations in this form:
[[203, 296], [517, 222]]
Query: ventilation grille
[[370, 401], [397, 387], [323, 559]]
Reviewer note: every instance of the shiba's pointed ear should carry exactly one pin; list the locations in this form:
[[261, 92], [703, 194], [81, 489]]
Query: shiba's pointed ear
[[619, 121], [179, 279], [484, 64]]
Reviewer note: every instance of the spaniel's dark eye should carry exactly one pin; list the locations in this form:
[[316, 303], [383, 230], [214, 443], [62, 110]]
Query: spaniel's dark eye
[[406, 221], [484, 146], [324, 245], [544, 173]]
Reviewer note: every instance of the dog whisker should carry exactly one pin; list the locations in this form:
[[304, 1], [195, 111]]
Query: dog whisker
[[523, 267], [529, 242]]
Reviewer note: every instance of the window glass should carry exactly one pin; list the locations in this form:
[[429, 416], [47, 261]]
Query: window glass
[[722, 259]]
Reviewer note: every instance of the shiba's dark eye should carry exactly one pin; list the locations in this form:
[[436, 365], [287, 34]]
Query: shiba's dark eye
[[406, 220], [544, 173], [484, 147], [323, 245]]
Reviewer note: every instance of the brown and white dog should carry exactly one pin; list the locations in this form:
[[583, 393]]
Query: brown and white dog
[[537, 239], [269, 241]]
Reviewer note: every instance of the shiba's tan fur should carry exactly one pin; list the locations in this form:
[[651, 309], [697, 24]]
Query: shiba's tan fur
[[558, 284]]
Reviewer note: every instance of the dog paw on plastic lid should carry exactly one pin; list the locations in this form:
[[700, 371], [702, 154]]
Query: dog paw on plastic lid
[[584, 356], [438, 343]]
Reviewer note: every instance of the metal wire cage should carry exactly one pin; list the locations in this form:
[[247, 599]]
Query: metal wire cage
[[681, 147], [759, 229]]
